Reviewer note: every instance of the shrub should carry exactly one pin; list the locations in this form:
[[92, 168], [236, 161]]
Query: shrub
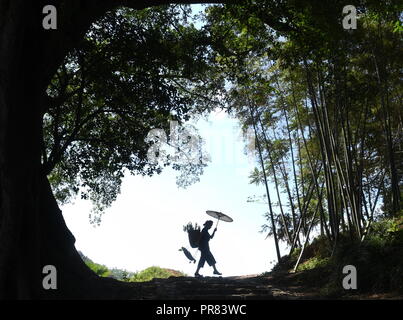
[[99, 269], [154, 272], [312, 263]]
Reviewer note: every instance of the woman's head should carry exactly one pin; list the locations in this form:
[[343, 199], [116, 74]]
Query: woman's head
[[208, 224]]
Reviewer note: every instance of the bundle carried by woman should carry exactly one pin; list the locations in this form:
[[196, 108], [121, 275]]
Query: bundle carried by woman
[[194, 234]]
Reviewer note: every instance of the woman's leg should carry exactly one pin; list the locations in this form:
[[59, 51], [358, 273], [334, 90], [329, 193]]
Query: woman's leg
[[215, 270], [200, 264], [211, 261]]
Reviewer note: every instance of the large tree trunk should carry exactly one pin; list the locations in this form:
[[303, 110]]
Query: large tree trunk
[[19, 160], [32, 230]]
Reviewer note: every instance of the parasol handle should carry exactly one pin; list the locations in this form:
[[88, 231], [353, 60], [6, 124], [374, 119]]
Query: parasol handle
[[218, 220]]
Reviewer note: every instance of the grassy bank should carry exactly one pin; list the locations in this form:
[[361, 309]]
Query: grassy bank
[[123, 275], [378, 260]]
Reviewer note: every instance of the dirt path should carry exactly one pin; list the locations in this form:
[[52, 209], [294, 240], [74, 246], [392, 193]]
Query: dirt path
[[252, 287]]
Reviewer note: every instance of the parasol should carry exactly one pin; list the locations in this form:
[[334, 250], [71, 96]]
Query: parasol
[[219, 216]]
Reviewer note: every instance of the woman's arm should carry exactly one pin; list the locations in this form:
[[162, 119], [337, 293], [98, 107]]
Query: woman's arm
[[211, 237]]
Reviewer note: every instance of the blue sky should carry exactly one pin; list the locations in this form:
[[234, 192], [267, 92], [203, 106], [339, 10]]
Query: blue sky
[[144, 227]]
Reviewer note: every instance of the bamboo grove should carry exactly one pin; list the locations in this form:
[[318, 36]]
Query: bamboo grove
[[325, 107]]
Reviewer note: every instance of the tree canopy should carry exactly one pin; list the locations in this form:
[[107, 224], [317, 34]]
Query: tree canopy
[[134, 71], [325, 105], [321, 109]]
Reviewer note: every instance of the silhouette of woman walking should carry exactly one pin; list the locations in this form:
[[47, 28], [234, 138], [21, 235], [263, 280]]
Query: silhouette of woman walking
[[204, 248]]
